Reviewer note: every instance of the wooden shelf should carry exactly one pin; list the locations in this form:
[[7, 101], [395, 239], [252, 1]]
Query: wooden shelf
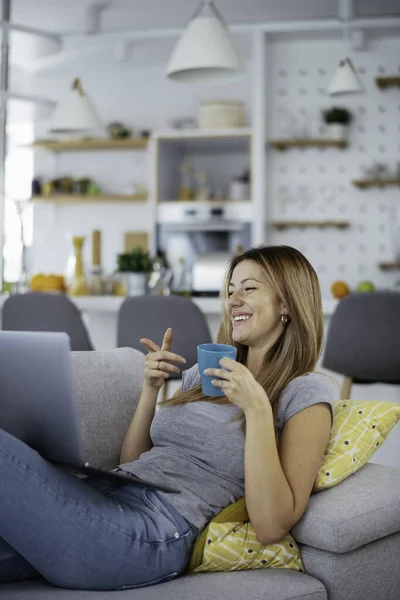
[[91, 144], [368, 183], [308, 143], [390, 266], [65, 198], [386, 82], [306, 224]]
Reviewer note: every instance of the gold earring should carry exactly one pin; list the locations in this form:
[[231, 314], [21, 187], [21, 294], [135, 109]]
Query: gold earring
[[284, 319]]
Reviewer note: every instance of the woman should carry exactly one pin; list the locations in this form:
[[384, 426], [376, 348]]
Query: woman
[[265, 440]]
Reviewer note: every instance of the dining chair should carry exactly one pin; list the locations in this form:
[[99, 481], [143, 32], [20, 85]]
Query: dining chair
[[150, 317], [363, 340], [37, 311]]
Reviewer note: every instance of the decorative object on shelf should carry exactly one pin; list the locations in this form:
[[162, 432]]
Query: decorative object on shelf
[[183, 285], [239, 188], [118, 131], [81, 185], [365, 286], [184, 123], [337, 120], [215, 114], [133, 239], [194, 60], [36, 187], [386, 82], [77, 285], [202, 193], [76, 113], [186, 191], [22, 284], [41, 282], [134, 267], [309, 143], [340, 289], [161, 277], [96, 282]]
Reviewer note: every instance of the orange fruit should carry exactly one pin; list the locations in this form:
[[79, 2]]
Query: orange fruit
[[339, 289]]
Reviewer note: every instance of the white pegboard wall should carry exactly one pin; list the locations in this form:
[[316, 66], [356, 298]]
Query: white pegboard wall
[[315, 184]]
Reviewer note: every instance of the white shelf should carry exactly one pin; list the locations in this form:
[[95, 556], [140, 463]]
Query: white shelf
[[196, 134]]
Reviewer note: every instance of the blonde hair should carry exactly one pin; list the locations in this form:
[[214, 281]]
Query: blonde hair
[[299, 346]]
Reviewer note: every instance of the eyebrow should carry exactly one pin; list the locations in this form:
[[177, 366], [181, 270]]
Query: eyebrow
[[244, 281]]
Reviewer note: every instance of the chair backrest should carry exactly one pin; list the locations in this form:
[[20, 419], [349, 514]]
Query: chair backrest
[[150, 316], [363, 340], [36, 311]]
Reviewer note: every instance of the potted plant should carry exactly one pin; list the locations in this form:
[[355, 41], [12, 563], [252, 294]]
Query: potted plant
[[134, 267], [338, 120]]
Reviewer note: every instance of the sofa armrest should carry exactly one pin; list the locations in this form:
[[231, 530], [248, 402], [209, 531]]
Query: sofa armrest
[[359, 510], [108, 386]]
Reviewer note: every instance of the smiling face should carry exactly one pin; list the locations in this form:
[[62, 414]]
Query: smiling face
[[253, 307]]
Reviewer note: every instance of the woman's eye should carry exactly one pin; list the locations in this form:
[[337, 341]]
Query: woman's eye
[[248, 289]]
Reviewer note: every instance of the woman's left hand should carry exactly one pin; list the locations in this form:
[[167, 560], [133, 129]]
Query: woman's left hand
[[239, 385]]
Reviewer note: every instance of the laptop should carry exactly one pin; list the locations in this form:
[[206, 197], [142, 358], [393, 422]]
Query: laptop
[[38, 402]]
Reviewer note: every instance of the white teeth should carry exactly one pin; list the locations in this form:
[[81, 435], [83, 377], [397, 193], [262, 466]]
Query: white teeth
[[242, 318]]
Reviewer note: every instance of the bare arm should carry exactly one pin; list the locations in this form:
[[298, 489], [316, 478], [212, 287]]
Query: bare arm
[[137, 440], [279, 482], [157, 368]]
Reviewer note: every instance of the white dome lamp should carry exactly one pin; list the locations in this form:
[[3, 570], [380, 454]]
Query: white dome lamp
[[345, 80], [205, 50], [76, 113]]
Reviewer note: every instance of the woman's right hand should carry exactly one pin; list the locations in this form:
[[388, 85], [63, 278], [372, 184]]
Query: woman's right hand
[[158, 361]]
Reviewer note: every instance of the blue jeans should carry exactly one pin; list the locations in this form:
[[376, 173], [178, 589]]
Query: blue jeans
[[84, 533]]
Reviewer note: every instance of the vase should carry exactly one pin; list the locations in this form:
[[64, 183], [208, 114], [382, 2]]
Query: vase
[[135, 283], [337, 131], [78, 286]]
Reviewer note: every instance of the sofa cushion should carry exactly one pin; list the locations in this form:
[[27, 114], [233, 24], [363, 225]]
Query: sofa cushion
[[243, 585], [359, 429], [108, 386], [362, 509], [229, 543]]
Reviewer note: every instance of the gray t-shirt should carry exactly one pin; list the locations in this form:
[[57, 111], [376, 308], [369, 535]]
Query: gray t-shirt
[[200, 451]]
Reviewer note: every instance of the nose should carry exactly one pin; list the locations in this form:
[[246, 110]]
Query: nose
[[235, 299]]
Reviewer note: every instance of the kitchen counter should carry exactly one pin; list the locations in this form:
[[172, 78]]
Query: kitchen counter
[[100, 314], [111, 304]]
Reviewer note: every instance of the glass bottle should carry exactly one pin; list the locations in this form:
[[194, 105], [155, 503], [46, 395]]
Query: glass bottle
[[183, 285], [77, 286]]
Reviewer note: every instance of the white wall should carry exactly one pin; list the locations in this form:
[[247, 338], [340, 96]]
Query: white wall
[[316, 184], [142, 98]]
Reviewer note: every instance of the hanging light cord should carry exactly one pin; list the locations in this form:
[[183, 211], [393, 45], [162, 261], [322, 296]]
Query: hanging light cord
[[77, 85]]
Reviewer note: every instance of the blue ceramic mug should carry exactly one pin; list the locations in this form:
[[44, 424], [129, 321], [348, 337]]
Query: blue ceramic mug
[[208, 357]]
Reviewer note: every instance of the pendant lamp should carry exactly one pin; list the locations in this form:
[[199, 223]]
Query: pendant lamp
[[345, 80], [76, 113], [205, 50]]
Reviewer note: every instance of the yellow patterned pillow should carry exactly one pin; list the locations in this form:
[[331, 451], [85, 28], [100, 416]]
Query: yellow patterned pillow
[[229, 543], [234, 547], [359, 429]]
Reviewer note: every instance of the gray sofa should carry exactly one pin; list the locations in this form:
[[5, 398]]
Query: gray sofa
[[349, 536]]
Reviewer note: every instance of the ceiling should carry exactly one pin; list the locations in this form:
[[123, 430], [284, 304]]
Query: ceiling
[[68, 16]]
